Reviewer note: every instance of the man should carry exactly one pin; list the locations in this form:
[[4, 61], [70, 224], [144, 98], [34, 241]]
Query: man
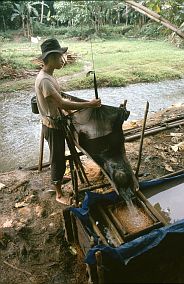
[[51, 104]]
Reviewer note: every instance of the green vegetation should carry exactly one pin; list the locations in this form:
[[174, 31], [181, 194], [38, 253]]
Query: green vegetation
[[118, 32], [117, 62], [83, 18]]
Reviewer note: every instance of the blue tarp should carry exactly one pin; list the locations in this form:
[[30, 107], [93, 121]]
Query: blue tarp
[[129, 250], [154, 182]]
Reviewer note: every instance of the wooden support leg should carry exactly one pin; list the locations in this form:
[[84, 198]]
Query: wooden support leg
[[78, 164], [88, 269], [74, 181], [76, 188], [142, 138], [41, 152], [74, 228], [68, 225], [100, 271], [72, 171]]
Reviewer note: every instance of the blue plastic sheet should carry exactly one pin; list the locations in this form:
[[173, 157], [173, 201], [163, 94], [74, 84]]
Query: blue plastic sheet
[[124, 253], [130, 250], [153, 182]]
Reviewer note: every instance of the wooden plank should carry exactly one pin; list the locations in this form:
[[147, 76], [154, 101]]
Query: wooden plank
[[117, 223], [111, 226], [151, 208], [97, 230]]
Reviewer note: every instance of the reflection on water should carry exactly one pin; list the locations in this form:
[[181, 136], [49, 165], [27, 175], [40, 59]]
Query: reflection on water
[[160, 95], [170, 203], [20, 129]]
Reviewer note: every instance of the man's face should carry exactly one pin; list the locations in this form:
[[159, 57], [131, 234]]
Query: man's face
[[57, 60]]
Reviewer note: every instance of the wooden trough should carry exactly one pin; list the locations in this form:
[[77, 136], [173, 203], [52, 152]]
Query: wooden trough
[[113, 224]]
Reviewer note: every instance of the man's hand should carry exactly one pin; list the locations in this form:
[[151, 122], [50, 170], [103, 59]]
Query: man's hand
[[95, 103]]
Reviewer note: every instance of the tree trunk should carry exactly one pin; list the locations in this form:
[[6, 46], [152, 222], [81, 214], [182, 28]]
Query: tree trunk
[[154, 16], [4, 24], [23, 26], [126, 15], [42, 8]]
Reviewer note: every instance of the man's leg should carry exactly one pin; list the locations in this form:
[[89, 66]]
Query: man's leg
[[56, 141]]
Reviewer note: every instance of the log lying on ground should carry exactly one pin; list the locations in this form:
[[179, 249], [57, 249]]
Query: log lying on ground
[[154, 131], [156, 125]]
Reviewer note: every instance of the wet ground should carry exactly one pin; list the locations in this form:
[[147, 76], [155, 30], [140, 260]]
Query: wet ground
[[32, 244]]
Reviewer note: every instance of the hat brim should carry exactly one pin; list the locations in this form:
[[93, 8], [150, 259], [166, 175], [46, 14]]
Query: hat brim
[[60, 51]]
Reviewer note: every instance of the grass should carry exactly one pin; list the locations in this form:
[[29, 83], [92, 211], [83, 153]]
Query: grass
[[117, 62]]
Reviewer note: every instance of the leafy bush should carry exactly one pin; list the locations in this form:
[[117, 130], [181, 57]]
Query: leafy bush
[[79, 31], [150, 30], [41, 29]]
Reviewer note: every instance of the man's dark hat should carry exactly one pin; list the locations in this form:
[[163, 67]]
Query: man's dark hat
[[51, 46]]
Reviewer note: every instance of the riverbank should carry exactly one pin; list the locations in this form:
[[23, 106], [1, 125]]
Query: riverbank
[[117, 63], [32, 244]]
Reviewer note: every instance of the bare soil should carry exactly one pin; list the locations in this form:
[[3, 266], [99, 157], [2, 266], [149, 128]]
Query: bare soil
[[33, 248]]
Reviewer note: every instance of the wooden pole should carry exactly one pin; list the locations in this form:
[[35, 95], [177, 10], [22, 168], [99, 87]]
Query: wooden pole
[[68, 225], [73, 151], [74, 228], [164, 123], [100, 270], [93, 187], [90, 274], [41, 151], [76, 188], [142, 137]]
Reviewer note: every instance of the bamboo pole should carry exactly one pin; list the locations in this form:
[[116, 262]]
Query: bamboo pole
[[73, 151], [40, 162], [155, 131], [154, 16], [76, 188], [134, 130], [142, 138]]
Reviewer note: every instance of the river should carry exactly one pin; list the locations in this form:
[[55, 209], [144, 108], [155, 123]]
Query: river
[[20, 128]]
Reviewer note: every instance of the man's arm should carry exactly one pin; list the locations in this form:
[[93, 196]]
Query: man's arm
[[65, 104]]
